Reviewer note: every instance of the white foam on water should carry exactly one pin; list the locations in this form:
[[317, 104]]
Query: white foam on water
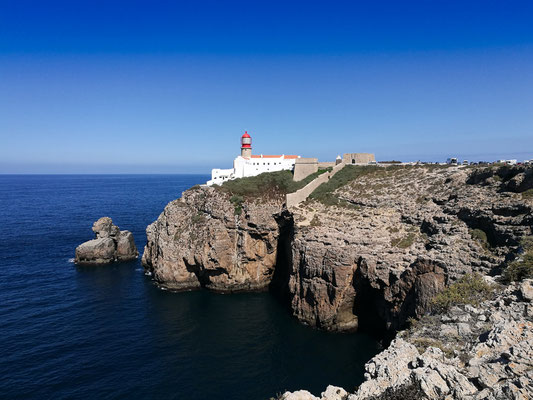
[[71, 260]]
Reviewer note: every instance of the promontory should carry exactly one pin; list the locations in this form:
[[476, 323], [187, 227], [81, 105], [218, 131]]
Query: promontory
[[436, 257]]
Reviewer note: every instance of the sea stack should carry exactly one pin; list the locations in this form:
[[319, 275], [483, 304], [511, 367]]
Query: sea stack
[[110, 245]]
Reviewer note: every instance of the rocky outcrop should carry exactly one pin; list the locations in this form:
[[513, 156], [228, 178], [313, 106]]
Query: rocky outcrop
[[110, 245], [210, 239], [370, 254], [482, 352], [393, 238]]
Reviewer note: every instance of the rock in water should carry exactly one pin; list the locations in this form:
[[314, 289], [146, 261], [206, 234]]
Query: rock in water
[[110, 245]]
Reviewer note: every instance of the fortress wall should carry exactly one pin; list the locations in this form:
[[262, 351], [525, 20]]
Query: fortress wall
[[293, 199], [358, 158], [303, 167], [326, 164]]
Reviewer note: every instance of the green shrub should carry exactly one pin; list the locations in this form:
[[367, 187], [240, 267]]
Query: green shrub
[[404, 242], [522, 268], [324, 193], [519, 270], [422, 343], [480, 236], [528, 194], [267, 184], [198, 218], [470, 289], [315, 221], [237, 201]]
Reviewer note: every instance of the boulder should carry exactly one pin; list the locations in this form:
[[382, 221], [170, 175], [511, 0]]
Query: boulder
[[110, 245], [526, 289]]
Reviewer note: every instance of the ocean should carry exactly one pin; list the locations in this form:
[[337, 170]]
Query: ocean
[[69, 332]]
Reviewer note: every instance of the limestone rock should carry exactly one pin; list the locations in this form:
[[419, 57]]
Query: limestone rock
[[331, 393], [205, 240], [298, 395], [375, 254], [126, 249], [110, 245], [334, 393], [96, 251], [526, 289], [401, 236]]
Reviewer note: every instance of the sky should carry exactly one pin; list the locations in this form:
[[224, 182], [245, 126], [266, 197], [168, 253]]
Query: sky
[[170, 86]]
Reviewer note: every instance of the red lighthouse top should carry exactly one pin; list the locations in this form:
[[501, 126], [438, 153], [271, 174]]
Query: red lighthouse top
[[246, 140]]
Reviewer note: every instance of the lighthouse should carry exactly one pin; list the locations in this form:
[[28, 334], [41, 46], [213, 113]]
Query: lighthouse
[[246, 145], [247, 164]]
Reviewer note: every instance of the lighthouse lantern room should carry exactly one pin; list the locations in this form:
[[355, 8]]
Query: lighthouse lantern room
[[246, 145]]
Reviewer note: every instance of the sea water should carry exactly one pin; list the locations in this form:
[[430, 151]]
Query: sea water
[[69, 332]]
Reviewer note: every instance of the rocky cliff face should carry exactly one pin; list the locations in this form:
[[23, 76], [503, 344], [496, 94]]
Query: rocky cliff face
[[393, 238], [469, 352], [396, 237], [370, 253], [206, 240], [110, 245]]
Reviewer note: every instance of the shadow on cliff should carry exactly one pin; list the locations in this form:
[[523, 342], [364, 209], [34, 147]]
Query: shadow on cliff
[[384, 309], [279, 286]]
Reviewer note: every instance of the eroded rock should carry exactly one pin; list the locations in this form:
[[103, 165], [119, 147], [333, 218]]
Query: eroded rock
[[110, 245]]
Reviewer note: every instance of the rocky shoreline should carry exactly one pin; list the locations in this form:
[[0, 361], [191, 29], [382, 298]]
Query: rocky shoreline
[[467, 352], [370, 249]]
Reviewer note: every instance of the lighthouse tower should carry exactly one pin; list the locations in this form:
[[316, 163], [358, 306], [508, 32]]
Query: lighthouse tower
[[246, 145]]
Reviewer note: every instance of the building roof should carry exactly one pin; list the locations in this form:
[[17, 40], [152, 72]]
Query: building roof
[[284, 156]]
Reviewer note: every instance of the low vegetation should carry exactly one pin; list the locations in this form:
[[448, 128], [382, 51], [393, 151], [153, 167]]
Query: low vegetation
[[266, 185], [315, 221], [470, 289], [481, 237], [522, 267], [527, 194], [422, 343], [198, 218], [405, 241], [237, 201], [324, 193]]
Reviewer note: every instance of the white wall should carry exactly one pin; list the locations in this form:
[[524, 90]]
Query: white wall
[[244, 167]]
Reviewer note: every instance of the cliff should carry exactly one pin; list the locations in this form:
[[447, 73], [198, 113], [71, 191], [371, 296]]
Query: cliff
[[376, 244], [467, 352], [204, 239], [369, 249]]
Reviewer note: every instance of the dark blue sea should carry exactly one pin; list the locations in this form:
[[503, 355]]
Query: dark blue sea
[[70, 332]]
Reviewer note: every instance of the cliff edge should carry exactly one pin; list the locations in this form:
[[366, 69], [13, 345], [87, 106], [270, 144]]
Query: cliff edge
[[370, 248]]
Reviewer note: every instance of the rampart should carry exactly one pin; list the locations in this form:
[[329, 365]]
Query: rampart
[[293, 199], [358, 158], [303, 167]]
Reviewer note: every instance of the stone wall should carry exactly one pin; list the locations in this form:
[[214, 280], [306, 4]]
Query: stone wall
[[303, 167], [358, 158], [293, 199]]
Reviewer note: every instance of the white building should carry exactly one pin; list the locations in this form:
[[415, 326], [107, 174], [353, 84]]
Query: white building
[[250, 165]]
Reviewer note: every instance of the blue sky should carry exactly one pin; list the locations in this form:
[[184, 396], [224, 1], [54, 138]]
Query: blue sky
[[169, 86]]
